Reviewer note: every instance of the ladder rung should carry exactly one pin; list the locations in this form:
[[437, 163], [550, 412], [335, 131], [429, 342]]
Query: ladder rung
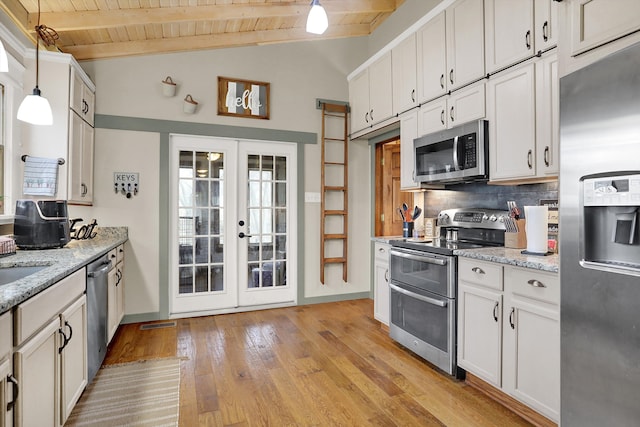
[[334, 188], [334, 163], [335, 260], [338, 108], [335, 236], [335, 212], [335, 139]]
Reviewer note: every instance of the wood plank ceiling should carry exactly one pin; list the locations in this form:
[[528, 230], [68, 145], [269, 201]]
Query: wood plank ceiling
[[94, 29]]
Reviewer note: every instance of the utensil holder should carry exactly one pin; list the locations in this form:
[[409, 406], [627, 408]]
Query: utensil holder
[[516, 240], [407, 229]]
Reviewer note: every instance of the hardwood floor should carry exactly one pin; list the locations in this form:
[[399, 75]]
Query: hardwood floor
[[322, 365]]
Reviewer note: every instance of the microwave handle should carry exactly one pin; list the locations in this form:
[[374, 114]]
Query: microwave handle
[[428, 300], [455, 153]]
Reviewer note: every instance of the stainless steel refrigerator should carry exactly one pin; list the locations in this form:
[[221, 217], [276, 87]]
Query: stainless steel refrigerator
[[599, 242]]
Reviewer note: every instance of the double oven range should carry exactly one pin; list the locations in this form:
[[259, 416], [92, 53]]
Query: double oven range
[[423, 283]]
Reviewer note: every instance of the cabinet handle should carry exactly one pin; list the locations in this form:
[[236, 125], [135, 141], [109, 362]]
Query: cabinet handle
[[451, 114], [545, 31], [527, 39], [546, 156], [413, 95], [511, 317], [442, 116], [451, 76], [371, 114], [530, 159], [84, 190], [386, 275], [64, 340], [536, 283], [442, 80], [16, 391], [366, 117], [478, 270], [381, 249], [66, 324], [495, 311]]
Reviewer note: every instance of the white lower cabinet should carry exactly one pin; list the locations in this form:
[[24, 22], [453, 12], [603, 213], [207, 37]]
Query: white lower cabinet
[[115, 291], [511, 338], [381, 292], [50, 364], [7, 379]]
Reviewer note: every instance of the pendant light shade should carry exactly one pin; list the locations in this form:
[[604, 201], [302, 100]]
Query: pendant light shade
[[317, 21], [35, 109], [4, 62]]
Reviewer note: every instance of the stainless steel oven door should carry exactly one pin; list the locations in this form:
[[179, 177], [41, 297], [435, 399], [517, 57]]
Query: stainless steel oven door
[[425, 323], [422, 270]]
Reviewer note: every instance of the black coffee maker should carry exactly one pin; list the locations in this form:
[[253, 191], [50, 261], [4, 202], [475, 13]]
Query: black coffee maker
[[41, 224]]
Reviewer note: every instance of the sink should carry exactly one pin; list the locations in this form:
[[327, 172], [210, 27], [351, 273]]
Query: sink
[[11, 274]]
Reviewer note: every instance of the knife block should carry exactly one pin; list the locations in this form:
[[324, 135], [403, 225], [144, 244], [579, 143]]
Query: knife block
[[516, 240]]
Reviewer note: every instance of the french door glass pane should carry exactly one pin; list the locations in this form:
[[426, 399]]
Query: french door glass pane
[[267, 214], [200, 228]]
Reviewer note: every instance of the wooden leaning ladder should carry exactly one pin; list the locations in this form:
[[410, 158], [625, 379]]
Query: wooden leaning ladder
[[333, 137]]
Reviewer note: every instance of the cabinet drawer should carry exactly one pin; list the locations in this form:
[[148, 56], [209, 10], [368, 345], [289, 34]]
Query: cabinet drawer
[[382, 252], [32, 314], [6, 335], [120, 253], [481, 273], [533, 284]]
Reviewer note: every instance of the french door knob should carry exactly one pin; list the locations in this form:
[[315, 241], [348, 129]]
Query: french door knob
[[242, 235]]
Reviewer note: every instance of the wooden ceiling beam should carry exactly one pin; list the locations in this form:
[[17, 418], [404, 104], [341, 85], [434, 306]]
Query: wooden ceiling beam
[[96, 19], [223, 40]]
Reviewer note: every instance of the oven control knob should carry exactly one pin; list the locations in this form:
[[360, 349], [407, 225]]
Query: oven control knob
[[485, 217], [493, 218], [501, 218], [444, 218]]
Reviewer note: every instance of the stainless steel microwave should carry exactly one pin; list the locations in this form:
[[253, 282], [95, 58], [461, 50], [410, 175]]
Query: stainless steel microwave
[[455, 155]]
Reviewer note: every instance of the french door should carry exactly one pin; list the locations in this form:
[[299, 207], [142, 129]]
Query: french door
[[233, 217]]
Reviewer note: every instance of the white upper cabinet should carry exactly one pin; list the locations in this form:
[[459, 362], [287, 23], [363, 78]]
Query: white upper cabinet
[[82, 97], [432, 59], [546, 24], [451, 50], [465, 42], [596, 22], [509, 32], [408, 132], [370, 94], [547, 116], [461, 106], [404, 72]]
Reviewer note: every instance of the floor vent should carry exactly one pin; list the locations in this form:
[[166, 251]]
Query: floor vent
[[158, 325]]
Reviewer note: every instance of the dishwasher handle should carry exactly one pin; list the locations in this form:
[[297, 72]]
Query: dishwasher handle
[[106, 266], [423, 298]]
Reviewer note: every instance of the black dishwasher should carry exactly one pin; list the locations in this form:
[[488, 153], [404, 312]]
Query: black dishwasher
[[97, 284]]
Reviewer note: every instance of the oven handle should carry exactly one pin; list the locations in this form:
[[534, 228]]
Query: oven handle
[[421, 258], [432, 301]]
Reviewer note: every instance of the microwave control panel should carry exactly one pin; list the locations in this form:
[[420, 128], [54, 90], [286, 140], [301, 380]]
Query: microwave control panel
[[470, 152], [622, 190]]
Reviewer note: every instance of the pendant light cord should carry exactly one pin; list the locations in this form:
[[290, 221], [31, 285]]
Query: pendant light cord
[[38, 47]]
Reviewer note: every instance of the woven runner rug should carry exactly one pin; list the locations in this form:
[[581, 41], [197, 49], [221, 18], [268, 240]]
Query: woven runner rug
[[145, 393]]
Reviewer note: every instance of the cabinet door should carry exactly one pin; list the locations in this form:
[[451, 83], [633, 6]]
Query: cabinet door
[[596, 22], [404, 72], [480, 332], [89, 105], [532, 355], [509, 32], [81, 143], [432, 117], [76, 90], [432, 59], [465, 42], [466, 104], [88, 144], [408, 132], [36, 367], [119, 291], [546, 24], [511, 114], [5, 397], [381, 292], [112, 304], [547, 116], [73, 359], [359, 101], [380, 89]]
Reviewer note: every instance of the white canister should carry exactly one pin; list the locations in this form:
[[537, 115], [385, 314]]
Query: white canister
[[190, 105], [537, 228]]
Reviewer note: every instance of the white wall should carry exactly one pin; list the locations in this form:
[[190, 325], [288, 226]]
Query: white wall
[[298, 73]]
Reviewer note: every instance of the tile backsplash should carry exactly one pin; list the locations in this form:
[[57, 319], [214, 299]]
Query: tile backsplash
[[482, 195]]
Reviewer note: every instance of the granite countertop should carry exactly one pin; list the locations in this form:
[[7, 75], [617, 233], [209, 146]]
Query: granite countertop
[[385, 239], [512, 257], [60, 263]]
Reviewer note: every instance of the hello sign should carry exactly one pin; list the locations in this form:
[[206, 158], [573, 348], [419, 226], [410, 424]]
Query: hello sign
[[243, 98]]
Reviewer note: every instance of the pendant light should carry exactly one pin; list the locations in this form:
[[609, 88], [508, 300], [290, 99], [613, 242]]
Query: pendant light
[[317, 21], [35, 108], [4, 61]]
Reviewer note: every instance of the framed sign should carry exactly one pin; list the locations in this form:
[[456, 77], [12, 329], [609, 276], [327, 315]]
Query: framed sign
[[243, 98]]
